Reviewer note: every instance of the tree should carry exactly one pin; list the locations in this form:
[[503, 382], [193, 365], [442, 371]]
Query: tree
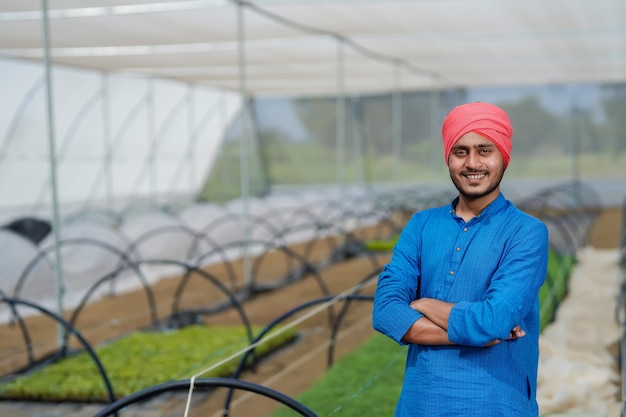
[[614, 105]]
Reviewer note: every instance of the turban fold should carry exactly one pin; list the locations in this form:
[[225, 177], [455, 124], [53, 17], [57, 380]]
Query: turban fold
[[486, 119]]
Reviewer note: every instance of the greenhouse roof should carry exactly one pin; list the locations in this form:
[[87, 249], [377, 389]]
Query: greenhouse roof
[[326, 47]]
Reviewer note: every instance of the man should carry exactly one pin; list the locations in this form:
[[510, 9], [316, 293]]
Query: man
[[477, 266]]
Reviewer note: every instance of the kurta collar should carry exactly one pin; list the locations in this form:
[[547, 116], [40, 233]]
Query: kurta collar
[[495, 206]]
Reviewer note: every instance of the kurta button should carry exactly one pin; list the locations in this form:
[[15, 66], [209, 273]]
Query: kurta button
[[465, 229], [451, 272], [458, 249]]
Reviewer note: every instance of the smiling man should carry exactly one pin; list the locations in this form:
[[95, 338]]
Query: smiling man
[[462, 286]]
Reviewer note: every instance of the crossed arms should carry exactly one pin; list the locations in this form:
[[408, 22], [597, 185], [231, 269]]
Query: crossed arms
[[432, 329], [476, 317]]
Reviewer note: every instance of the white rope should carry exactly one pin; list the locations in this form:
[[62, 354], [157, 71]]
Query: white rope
[[340, 297], [294, 365], [192, 383]]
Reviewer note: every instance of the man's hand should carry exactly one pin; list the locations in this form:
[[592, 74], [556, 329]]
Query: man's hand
[[516, 333]]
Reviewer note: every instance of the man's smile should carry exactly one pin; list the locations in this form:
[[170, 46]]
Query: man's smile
[[475, 176]]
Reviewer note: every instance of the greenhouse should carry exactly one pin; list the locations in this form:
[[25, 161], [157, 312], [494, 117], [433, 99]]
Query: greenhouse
[[198, 196]]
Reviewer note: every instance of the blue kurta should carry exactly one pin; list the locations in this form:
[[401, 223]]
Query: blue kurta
[[491, 267]]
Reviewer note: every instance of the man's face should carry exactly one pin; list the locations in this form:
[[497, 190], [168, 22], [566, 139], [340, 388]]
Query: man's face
[[476, 166]]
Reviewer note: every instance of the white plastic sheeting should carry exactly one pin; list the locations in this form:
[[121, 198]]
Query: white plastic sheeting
[[118, 138], [292, 47], [578, 367], [92, 247]]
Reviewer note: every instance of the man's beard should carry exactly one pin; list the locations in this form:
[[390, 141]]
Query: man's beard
[[475, 196]]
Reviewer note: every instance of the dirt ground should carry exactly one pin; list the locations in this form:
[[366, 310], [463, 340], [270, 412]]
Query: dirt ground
[[290, 371], [607, 229]]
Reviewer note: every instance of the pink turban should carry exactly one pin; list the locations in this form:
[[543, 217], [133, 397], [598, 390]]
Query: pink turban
[[486, 119]]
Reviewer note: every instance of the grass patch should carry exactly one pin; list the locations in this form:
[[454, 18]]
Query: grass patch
[[138, 361], [366, 382], [381, 245], [554, 288]]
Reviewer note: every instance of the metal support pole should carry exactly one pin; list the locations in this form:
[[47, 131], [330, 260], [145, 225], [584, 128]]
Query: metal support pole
[[435, 153], [58, 265], [396, 122], [341, 119], [244, 145], [193, 139], [223, 176], [107, 141], [575, 141], [357, 137], [152, 142]]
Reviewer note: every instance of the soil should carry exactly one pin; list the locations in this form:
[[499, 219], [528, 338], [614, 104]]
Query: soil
[[608, 229], [290, 371]]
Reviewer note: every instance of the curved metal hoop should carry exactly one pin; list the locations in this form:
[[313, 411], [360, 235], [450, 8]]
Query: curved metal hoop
[[205, 384], [70, 330]]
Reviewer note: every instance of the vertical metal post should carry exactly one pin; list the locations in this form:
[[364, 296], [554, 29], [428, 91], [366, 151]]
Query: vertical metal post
[[58, 265], [365, 146], [396, 123], [193, 138], [223, 174], [357, 129], [152, 142], [341, 119], [623, 352], [244, 144], [574, 126], [435, 153], [107, 142]]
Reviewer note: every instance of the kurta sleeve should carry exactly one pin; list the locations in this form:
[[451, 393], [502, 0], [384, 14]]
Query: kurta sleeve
[[397, 285], [511, 295]]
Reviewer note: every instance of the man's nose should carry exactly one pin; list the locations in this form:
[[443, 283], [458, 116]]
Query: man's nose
[[473, 160]]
